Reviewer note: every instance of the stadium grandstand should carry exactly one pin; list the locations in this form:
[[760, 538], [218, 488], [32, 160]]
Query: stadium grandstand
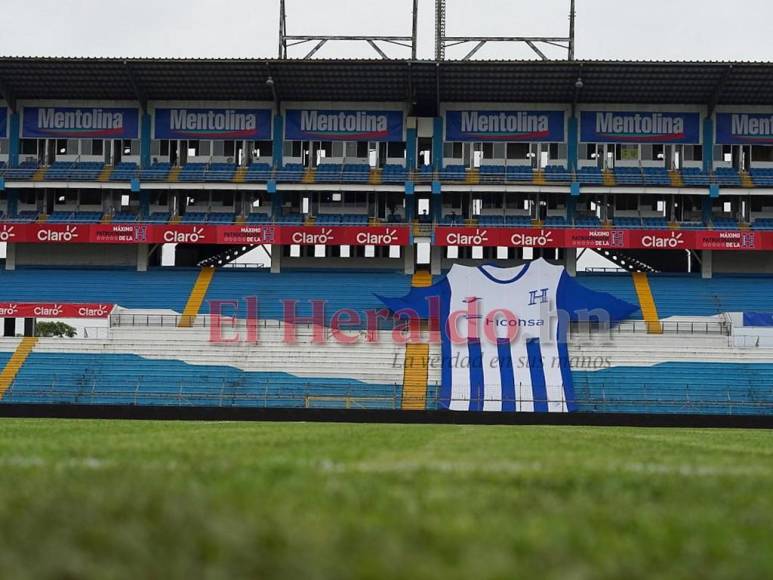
[[132, 190]]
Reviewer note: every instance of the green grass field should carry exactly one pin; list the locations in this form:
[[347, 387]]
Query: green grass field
[[104, 500]]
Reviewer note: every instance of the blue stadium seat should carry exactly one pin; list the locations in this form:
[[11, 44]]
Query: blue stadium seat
[[156, 172], [259, 218], [291, 173], [394, 174], [124, 217], [762, 177], [192, 172], [655, 223], [628, 176], [628, 222], [555, 221], [259, 173], [764, 224], [656, 177], [453, 173], [330, 173], [492, 173], [587, 221], [520, 173], [220, 172], [67, 217], [694, 177], [557, 174], [194, 217], [590, 176], [517, 221], [124, 171], [356, 173], [491, 221], [722, 223], [727, 177]]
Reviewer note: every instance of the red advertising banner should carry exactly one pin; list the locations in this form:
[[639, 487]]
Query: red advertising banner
[[53, 310], [737, 240], [344, 236], [504, 237]]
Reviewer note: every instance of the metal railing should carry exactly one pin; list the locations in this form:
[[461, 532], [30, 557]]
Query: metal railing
[[645, 399], [685, 327], [501, 175]]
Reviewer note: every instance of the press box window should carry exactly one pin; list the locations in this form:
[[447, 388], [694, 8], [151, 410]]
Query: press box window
[[518, 151]]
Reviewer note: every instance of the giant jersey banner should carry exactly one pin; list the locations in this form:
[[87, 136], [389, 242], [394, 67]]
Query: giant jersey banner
[[505, 126], [744, 129], [318, 125], [633, 127], [213, 124], [504, 334], [80, 123]]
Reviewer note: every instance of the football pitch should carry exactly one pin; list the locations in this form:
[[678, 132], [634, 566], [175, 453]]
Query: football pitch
[[101, 499]]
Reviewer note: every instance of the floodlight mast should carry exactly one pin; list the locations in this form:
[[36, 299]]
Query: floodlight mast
[[536, 43], [377, 43]]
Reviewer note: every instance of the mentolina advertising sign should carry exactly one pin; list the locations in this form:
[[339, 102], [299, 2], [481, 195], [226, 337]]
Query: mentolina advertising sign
[[213, 124], [639, 127], [505, 126], [80, 123], [744, 129], [309, 124]]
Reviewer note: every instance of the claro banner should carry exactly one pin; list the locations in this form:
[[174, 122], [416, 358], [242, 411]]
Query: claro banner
[[193, 234], [53, 310], [604, 239]]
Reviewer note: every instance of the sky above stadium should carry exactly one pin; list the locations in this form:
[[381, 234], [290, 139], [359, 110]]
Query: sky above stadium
[[606, 29]]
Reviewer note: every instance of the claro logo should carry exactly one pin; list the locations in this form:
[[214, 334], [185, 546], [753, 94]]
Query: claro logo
[[9, 310], [307, 239], [386, 239], [479, 238], [541, 240], [52, 311], [195, 236], [70, 234], [675, 240], [7, 233], [99, 311]]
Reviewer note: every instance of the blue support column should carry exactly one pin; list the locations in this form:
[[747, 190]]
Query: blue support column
[[708, 145], [145, 161], [13, 139], [571, 208], [276, 200], [144, 203], [410, 149], [572, 144], [278, 147], [707, 203], [410, 202], [13, 203], [437, 144]]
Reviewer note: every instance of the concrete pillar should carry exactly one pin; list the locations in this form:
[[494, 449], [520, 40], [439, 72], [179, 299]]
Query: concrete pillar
[[410, 260], [708, 144], [436, 258], [570, 261], [278, 144], [145, 138], [707, 265], [143, 255], [10, 257], [276, 259]]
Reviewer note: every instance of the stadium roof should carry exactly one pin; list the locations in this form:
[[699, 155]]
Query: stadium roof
[[425, 83]]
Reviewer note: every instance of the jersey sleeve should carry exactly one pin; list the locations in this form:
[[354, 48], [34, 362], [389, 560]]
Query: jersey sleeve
[[577, 300], [418, 299]]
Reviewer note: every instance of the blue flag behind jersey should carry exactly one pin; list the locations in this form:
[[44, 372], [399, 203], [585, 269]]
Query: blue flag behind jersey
[[504, 334]]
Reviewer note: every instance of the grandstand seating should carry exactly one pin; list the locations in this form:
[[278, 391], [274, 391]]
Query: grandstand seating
[[762, 177], [517, 221], [587, 221], [590, 176], [727, 177], [724, 223], [156, 172], [394, 174], [763, 224], [453, 173], [291, 173], [628, 222], [259, 173], [655, 223], [520, 173], [557, 174], [452, 220], [124, 171], [158, 218], [194, 217], [628, 176], [555, 221], [124, 217], [83, 217], [694, 177], [193, 172], [356, 173], [491, 221], [330, 173], [656, 177], [259, 218], [492, 173]]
